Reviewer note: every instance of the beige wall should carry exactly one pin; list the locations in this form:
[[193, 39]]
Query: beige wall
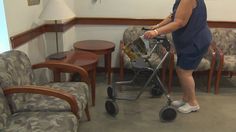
[[217, 9], [21, 17]]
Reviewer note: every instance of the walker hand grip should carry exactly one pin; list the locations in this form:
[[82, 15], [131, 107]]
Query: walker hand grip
[[158, 38], [146, 29]]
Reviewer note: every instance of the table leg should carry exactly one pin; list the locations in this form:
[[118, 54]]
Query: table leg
[[93, 84], [108, 66]]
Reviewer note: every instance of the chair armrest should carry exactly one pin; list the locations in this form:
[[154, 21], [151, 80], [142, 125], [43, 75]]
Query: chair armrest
[[64, 67], [45, 91]]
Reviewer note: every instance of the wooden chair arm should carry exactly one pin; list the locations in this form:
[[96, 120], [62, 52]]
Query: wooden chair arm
[[64, 67], [45, 91]]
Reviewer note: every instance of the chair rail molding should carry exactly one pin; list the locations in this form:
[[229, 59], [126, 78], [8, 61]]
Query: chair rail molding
[[21, 38]]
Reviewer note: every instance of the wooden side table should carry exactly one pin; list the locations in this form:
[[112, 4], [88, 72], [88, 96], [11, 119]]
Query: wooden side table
[[99, 47], [84, 59]]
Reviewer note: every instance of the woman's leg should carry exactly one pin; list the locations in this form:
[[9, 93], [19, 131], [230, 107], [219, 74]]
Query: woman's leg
[[188, 85]]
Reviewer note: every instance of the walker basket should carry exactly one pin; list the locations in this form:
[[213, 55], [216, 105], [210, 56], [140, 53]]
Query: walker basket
[[135, 49]]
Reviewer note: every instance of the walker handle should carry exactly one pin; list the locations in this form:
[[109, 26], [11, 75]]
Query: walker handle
[[165, 42]]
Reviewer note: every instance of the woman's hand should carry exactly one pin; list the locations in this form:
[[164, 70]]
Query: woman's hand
[[150, 34]]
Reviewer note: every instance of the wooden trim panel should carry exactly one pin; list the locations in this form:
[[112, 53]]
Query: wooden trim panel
[[24, 37]]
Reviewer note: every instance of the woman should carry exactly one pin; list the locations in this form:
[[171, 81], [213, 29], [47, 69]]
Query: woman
[[191, 36]]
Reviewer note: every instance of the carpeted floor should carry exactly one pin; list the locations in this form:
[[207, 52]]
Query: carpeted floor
[[217, 113]]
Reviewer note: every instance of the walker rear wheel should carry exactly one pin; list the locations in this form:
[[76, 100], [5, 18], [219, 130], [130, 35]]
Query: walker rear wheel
[[156, 91], [111, 107], [110, 92], [167, 114]]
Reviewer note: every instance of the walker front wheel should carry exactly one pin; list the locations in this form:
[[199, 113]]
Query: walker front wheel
[[167, 114], [111, 107]]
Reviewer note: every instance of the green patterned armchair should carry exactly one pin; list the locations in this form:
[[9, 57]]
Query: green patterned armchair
[[16, 72], [225, 46], [40, 121], [131, 34]]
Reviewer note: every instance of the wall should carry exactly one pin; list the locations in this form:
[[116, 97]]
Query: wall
[[217, 10], [4, 41], [21, 17]]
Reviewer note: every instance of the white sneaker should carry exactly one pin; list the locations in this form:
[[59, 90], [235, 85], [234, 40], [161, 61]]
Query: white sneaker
[[178, 103], [188, 108]]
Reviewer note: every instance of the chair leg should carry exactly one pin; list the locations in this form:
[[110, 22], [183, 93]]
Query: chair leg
[[209, 80], [217, 82], [231, 74], [121, 72], [87, 113], [171, 69], [163, 73]]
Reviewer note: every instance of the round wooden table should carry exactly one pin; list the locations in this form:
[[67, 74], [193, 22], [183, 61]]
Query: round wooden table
[[84, 59], [99, 47]]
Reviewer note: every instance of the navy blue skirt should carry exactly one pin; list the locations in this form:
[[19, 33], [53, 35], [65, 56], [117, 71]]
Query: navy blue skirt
[[190, 59]]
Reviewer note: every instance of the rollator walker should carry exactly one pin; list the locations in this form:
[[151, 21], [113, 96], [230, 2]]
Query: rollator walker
[[139, 54]]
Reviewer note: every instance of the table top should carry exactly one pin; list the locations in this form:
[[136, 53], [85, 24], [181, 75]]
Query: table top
[[94, 45], [80, 58]]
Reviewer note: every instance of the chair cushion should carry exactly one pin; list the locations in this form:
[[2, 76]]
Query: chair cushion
[[204, 65], [229, 63], [35, 102], [42, 122]]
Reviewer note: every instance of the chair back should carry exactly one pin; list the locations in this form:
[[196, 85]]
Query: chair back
[[15, 69], [132, 35], [225, 39]]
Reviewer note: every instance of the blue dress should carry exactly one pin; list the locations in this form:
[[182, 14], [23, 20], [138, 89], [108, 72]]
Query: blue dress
[[192, 41]]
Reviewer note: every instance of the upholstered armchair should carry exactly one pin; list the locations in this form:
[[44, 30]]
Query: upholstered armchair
[[225, 46], [206, 65], [40, 121], [16, 71], [131, 34]]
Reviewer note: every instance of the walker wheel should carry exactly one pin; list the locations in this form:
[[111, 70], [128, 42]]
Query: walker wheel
[[167, 114], [156, 92], [110, 92], [111, 107]]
